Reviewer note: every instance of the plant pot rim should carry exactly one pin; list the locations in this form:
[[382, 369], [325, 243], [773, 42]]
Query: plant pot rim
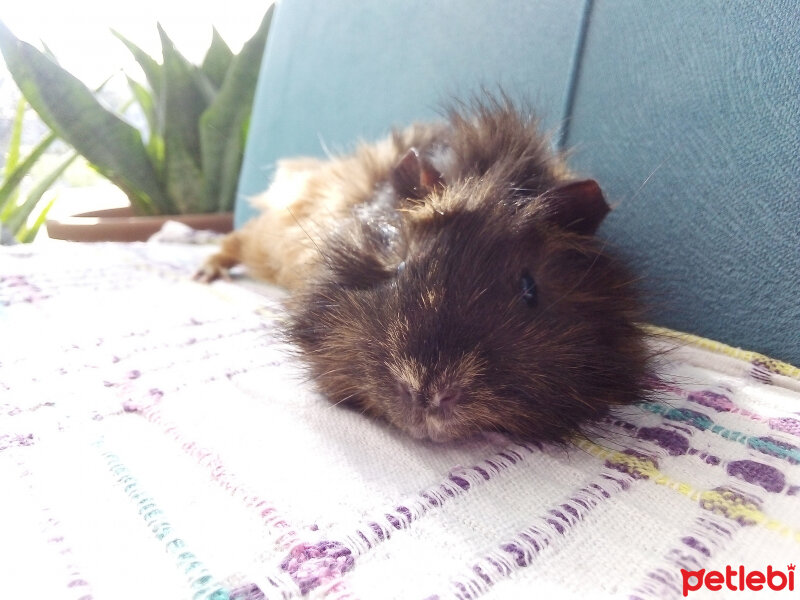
[[122, 225]]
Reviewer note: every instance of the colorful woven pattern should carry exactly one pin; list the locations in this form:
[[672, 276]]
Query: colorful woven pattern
[[157, 441]]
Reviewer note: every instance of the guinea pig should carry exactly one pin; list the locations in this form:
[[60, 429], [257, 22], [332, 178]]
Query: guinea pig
[[448, 280]]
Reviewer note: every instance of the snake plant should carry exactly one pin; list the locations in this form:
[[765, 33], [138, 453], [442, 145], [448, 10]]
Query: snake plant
[[189, 157]]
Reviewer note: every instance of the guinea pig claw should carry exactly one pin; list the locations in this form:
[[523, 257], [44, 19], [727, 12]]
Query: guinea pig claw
[[209, 272]]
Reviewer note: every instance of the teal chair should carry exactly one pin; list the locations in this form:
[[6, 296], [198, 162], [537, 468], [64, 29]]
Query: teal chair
[[687, 113]]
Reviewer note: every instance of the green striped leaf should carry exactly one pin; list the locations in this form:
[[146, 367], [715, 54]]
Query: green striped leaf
[[223, 127], [28, 232], [12, 157], [186, 93], [17, 219], [8, 191], [185, 181], [151, 68], [217, 60], [148, 106], [70, 109]]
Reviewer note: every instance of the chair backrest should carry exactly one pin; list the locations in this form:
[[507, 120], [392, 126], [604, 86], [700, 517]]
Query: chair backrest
[[687, 113]]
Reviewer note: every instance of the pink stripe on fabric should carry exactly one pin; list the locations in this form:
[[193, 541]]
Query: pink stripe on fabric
[[547, 529], [275, 523], [373, 532]]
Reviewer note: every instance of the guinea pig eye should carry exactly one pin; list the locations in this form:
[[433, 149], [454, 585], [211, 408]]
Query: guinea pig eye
[[401, 267], [528, 289]]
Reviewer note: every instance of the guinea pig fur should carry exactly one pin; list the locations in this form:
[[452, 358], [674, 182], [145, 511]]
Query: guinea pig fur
[[448, 280]]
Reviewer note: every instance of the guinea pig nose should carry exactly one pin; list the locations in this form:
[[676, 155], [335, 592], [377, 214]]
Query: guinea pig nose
[[405, 393], [446, 398]]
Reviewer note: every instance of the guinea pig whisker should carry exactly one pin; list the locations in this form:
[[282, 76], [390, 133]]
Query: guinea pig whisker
[[345, 399], [330, 371], [645, 182], [297, 221]]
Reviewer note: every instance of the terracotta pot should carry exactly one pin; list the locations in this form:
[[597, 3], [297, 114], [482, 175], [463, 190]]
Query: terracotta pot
[[121, 225]]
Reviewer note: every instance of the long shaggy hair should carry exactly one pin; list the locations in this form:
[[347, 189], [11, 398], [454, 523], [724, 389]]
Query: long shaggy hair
[[447, 279]]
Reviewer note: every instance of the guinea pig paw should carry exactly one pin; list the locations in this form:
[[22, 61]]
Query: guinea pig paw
[[496, 438], [211, 271]]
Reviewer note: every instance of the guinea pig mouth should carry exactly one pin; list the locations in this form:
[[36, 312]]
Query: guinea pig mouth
[[440, 430], [432, 427], [431, 415]]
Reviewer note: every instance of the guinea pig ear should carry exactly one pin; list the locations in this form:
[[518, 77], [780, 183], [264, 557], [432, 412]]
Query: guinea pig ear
[[414, 177], [578, 206]]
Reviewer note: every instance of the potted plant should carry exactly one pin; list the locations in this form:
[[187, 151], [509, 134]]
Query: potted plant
[[187, 165]]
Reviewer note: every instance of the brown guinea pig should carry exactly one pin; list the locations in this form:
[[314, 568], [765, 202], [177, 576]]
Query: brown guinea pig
[[447, 280]]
